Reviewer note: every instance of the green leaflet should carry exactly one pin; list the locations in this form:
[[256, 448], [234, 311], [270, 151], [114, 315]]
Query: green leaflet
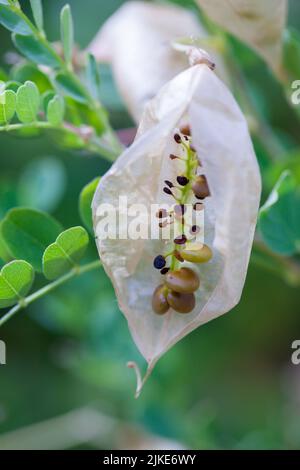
[[65, 252], [28, 102], [16, 279], [7, 106], [27, 233]]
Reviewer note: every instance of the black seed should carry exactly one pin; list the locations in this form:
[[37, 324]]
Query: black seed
[[177, 138], [159, 262], [195, 229], [169, 183], [181, 240], [173, 157], [164, 271], [168, 191], [182, 180]]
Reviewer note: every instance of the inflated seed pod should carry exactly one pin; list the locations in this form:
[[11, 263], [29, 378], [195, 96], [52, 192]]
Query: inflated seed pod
[[185, 280], [200, 187], [182, 303], [197, 253], [159, 300]]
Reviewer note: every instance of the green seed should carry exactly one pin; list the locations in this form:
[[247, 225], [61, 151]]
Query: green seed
[[182, 303], [159, 300], [185, 280], [197, 253]]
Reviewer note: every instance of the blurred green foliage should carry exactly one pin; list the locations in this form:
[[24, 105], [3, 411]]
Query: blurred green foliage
[[229, 384]]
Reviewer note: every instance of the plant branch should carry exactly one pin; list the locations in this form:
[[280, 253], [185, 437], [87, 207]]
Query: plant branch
[[77, 271], [114, 143], [261, 127], [93, 144], [281, 265]]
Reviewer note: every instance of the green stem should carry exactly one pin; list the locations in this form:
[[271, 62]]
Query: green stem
[[261, 127], [286, 267], [77, 271], [94, 145], [185, 193], [95, 105]]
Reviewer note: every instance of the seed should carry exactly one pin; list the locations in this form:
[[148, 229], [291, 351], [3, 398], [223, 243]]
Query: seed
[[182, 180], [159, 300], [169, 183], [159, 262], [161, 213], [172, 156], [197, 253], [200, 187], [163, 224], [194, 229], [164, 271], [185, 129], [181, 240], [168, 191], [177, 138], [182, 303], [198, 206], [185, 280]]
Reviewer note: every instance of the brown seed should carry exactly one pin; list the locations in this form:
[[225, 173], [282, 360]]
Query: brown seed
[[161, 213], [200, 187], [185, 280], [185, 129], [197, 253], [182, 303], [198, 206], [180, 240], [159, 300], [163, 224]]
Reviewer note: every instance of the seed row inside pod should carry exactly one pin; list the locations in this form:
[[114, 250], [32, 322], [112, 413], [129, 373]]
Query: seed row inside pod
[[177, 291]]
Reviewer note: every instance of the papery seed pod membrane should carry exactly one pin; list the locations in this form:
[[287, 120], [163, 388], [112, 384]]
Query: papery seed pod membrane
[[222, 141], [259, 23], [144, 59]]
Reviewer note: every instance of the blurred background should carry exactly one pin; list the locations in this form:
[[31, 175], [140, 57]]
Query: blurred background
[[228, 385]]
